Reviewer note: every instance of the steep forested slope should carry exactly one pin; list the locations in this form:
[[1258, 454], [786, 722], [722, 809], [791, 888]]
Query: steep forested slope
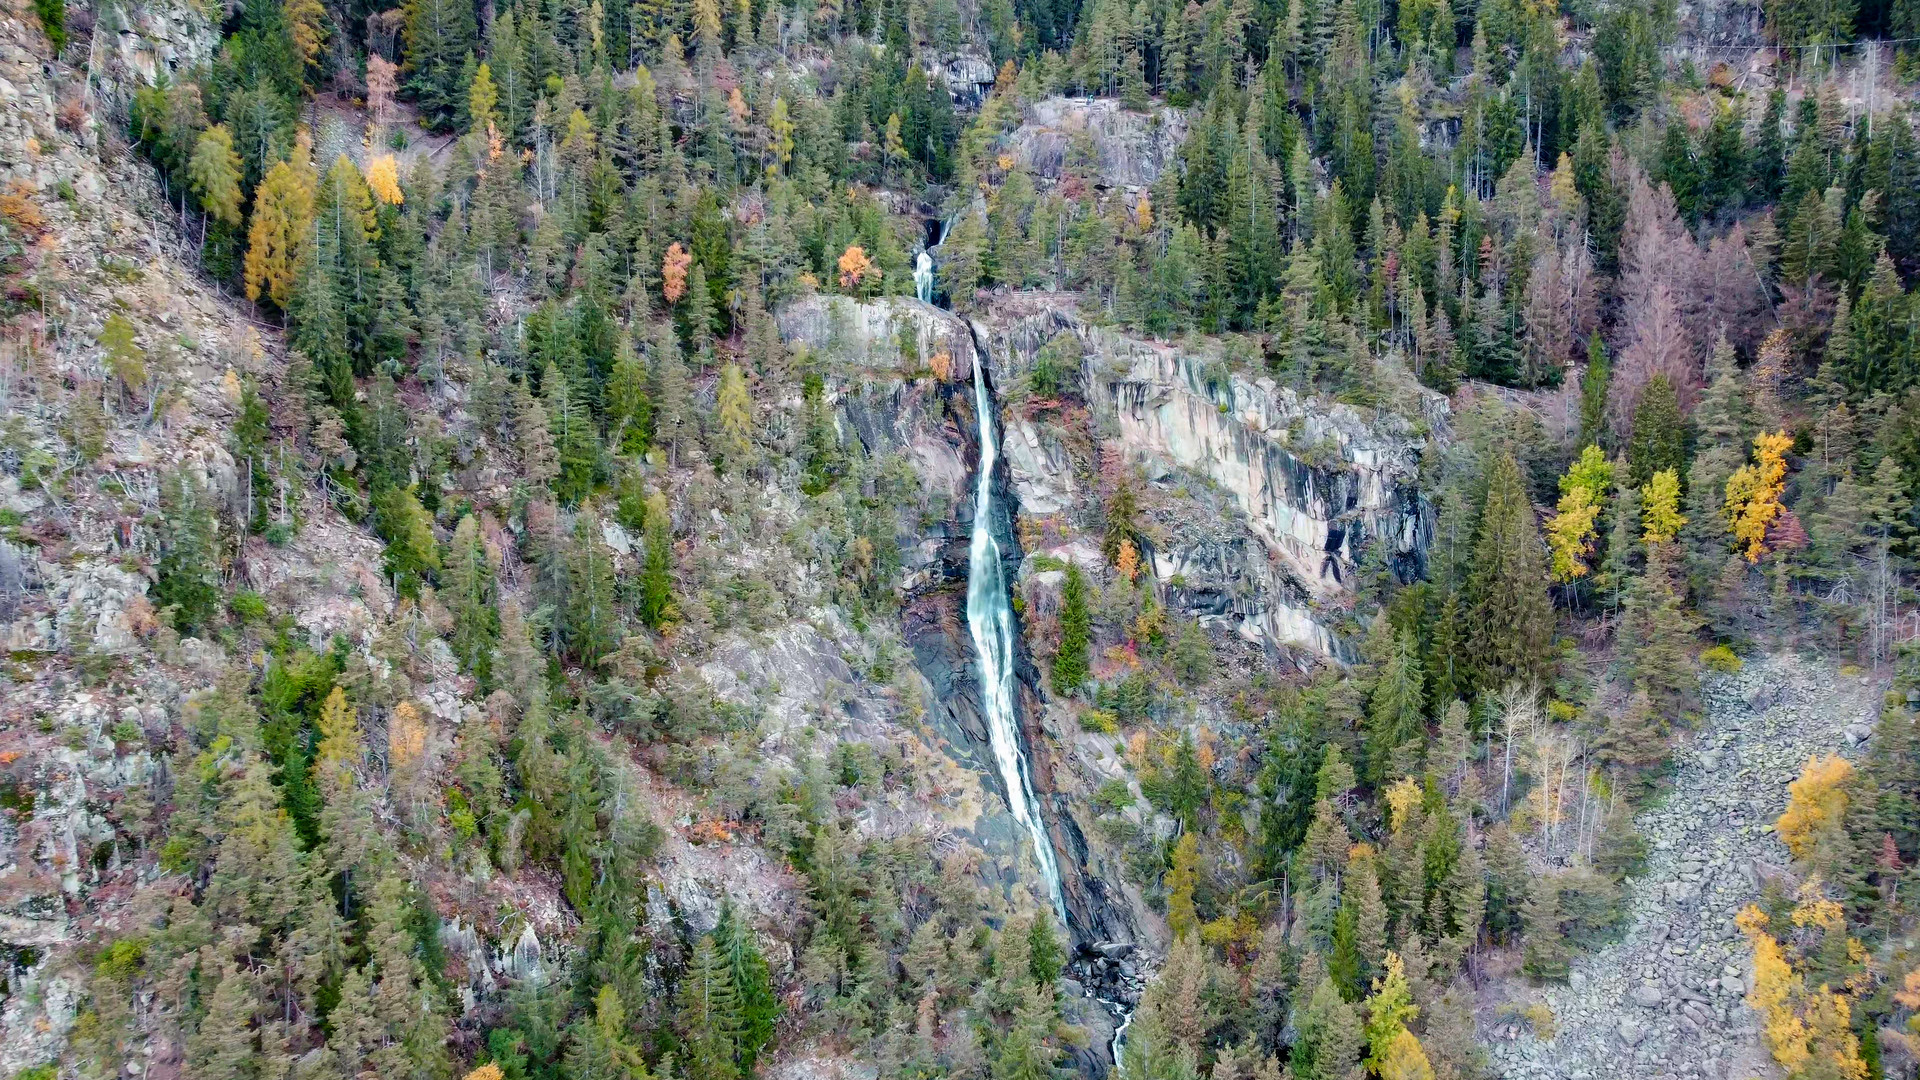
[[486, 495]]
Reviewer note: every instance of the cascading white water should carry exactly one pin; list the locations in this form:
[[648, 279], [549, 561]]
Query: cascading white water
[[990, 617], [923, 277]]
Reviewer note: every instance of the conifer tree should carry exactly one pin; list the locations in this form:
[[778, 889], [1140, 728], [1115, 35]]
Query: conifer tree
[[1329, 1043], [1026, 1051], [1635, 743], [672, 410], [1395, 715], [412, 553], [592, 620], [1546, 955], [225, 1045], [656, 570], [187, 578], [747, 968], [440, 36], [1070, 661], [215, 175], [466, 587], [575, 437], [1594, 382], [1659, 436], [539, 457], [277, 233], [1511, 626], [708, 1015], [733, 411]]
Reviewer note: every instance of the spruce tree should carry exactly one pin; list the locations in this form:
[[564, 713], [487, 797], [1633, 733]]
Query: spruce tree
[[708, 1015], [1594, 383], [467, 588], [656, 568], [1395, 712], [1546, 955], [440, 39], [1511, 625], [1070, 661], [187, 575], [224, 1046], [752, 982], [593, 622], [1659, 438], [1329, 1043]]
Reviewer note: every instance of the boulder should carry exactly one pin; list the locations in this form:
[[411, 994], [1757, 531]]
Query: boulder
[[1647, 996]]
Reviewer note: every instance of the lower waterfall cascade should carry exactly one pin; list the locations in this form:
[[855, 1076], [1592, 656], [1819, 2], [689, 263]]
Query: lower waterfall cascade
[[990, 621], [990, 618]]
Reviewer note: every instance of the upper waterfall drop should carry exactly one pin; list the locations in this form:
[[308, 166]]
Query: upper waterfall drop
[[990, 618]]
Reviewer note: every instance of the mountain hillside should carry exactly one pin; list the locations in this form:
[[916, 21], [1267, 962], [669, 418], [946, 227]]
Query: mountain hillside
[[989, 539]]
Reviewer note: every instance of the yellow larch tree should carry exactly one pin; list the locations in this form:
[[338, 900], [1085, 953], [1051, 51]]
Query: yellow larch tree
[[1660, 516], [1816, 802], [1753, 493], [282, 218], [383, 179]]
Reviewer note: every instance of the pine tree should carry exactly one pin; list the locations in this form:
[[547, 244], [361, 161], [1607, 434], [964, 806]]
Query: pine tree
[[1070, 661], [1511, 625]]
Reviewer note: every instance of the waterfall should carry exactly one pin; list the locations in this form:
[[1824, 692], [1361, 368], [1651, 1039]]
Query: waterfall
[[923, 277], [990, 617]]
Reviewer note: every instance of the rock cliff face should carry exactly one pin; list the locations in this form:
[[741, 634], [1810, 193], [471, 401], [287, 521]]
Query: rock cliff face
[[1127, 150], [1313, 483]]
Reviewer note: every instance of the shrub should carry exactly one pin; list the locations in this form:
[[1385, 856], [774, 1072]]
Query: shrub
[[1099, 721], [249, 606], [53, 19], [1720, 658]]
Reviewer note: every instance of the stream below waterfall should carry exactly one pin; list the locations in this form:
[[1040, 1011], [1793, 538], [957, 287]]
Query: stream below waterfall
[[990, 621]]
